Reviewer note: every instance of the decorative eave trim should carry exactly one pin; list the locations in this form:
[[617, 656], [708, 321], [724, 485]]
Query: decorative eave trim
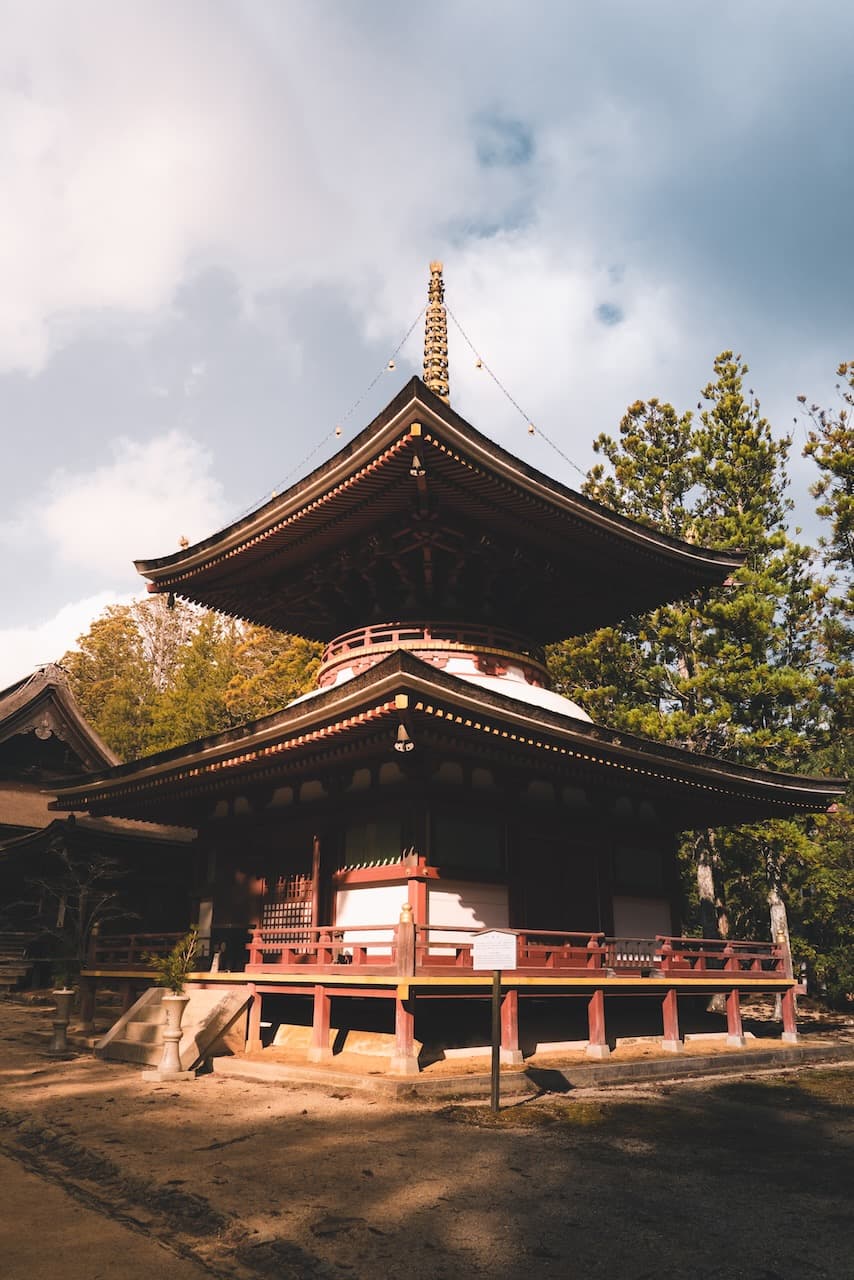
[[383, 439], [403, 682]]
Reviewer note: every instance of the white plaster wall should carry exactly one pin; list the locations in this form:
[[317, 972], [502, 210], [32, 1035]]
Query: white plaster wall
[[461, 904], [370, 904]]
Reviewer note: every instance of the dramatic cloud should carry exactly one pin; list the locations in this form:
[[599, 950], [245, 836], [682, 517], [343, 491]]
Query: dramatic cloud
[[215, 225], [23, 648], [141, 502]]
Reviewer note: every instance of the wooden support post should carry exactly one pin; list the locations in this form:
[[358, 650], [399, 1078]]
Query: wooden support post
[[790, 1019], [315, 882], [253, 1023], [126, 995], [320, 1050], [597, 1043], [670, 1013], [405, 1060], [734, 1031], [511, 1054], [87, 1006]]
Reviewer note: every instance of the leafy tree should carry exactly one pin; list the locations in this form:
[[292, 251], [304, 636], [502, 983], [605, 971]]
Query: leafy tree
[[272, 670], [150, 676], [112, 680], [78, 890], [194, 704]]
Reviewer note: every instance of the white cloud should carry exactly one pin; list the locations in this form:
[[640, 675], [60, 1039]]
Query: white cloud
[[24, 648], [139, 504]]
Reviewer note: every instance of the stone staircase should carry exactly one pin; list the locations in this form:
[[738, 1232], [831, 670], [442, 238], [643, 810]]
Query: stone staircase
[[138, 1034]]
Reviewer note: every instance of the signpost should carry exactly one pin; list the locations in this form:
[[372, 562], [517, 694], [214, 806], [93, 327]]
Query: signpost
[[495, 949]]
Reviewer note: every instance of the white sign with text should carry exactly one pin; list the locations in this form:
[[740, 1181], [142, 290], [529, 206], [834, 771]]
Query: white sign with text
[[494, 949]]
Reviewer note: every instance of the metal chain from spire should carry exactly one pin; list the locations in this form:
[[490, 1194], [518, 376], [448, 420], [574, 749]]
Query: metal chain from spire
[[436, 337]]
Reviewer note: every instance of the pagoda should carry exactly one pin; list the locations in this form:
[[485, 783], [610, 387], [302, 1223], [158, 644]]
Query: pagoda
[[434, 783]]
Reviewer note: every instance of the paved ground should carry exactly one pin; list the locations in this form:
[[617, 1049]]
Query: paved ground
[[740, 1179], [46, 1232]]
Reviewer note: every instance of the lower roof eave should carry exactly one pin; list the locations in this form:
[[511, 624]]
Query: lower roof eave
[[403, 685]]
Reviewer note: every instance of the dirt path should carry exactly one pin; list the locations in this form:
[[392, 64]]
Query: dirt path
[[745, 1179]]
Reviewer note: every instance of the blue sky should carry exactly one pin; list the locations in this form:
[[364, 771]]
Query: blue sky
[[217, 218]]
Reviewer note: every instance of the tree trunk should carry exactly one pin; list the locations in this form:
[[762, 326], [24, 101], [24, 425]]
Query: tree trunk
[[714, 921], [779, 928]]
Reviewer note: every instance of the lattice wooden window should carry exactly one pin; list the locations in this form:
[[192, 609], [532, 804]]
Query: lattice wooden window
[[288, 904]]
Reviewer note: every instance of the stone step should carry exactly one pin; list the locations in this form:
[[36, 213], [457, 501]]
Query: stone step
[[133, 1051], [138, 1035], [143, 1033]]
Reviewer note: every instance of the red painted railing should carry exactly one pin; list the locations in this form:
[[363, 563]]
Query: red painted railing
[[439, 949], [281, 947]]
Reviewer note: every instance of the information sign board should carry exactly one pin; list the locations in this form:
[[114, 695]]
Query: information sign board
[[494, 949]]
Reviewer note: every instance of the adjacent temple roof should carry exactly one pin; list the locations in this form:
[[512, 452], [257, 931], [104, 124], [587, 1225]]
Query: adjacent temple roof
[[43, 705], [361, 719], [423, 517]]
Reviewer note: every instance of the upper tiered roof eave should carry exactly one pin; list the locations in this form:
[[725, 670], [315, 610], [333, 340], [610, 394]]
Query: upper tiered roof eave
[[340, 486], [373, 439]]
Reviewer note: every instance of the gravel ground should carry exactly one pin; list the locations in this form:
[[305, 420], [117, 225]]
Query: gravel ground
[[748, 1177]]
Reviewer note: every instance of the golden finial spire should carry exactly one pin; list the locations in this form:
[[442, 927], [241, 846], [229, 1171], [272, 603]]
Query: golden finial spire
[[436, 336]]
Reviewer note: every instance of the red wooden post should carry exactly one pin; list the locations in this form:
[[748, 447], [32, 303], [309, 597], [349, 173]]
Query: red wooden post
[[253, 1026], [320, 1050], [511, 1054], [256, 955], [315, 882], [734, 1031], [405, 1060], [597, 1044], [670, 1013], [790, 1018], [666, 955]]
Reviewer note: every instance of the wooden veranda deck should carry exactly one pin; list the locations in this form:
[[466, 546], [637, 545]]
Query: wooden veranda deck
[[403, 961]]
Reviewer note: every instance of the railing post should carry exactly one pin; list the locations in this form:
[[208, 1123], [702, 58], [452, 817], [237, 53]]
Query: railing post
[[734, 1031], [594, 954], [597, 1043], [405, 943], [666, 955], [256, 955]]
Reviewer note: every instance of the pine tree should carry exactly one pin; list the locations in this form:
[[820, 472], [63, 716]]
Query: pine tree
[[732, 672]]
